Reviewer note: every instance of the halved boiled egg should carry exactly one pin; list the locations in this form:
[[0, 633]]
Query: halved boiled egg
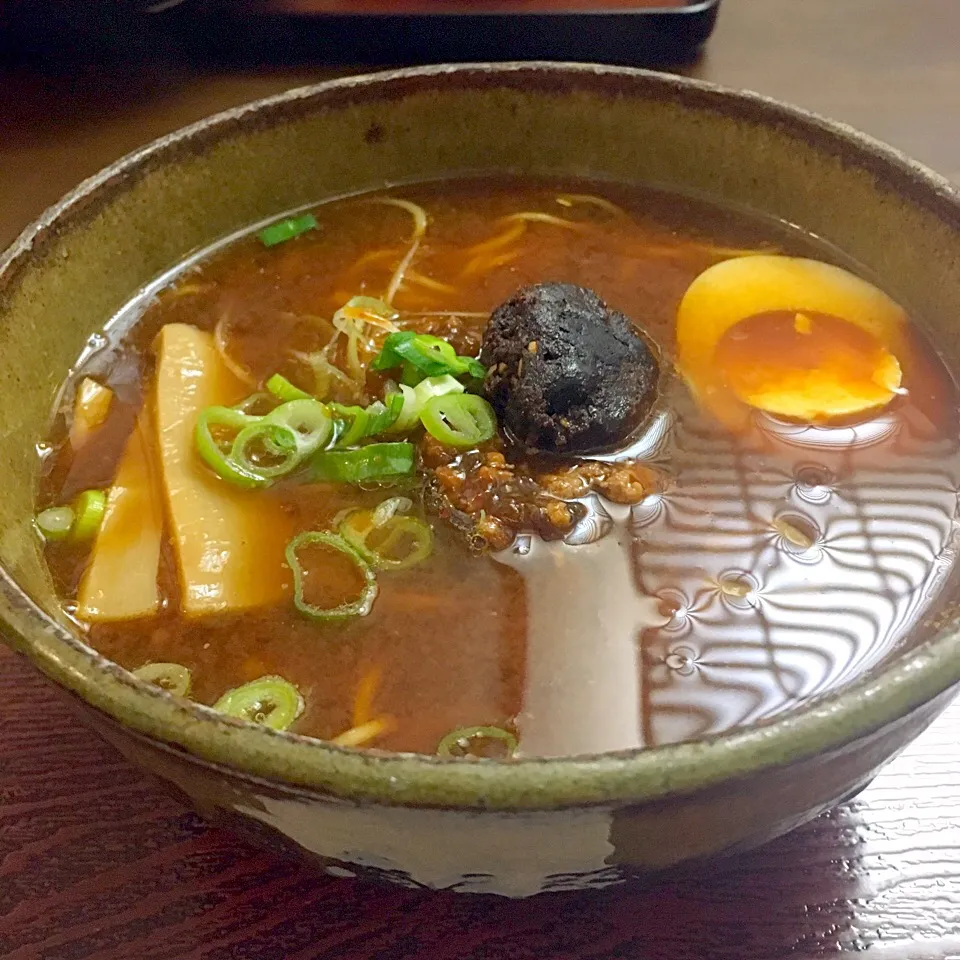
[[796, 338]]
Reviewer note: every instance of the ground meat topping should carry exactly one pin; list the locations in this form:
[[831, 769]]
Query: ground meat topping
[[623, 481], [489, 500]]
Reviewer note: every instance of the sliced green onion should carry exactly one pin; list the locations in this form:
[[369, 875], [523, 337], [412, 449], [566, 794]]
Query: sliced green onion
[[410, 376], [475, 368], [387, 508], [287, 229], [423, 355], [216, 457], [256, 405], [265, 450], [388, 357], [171, 677], [284, 390], [89, 509], [55, 523], [442, 386], [309, 421], [357, 423], [430, 355], [459, 420], [374, 463], [355, 608], [409, 413], [384, 415], [463, 741], [386, 538], [416, 398], [354, 425], [270, 701]]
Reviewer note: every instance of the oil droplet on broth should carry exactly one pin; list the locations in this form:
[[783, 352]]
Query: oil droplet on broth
[[736, 585], [796, 531], [673, 606], [813, 483], [682, 660]]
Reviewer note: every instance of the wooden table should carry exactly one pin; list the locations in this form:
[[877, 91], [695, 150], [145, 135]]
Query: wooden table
[[96, 861]]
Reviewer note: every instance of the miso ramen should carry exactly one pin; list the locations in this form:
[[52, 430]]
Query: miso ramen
[[504, 468]]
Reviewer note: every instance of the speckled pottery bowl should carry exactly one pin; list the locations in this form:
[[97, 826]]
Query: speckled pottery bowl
[[529, 825]]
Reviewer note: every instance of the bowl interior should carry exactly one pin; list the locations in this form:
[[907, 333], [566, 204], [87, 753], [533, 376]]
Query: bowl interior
[[72, 271]]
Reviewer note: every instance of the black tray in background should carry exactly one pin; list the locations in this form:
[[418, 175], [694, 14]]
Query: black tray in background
[[457, 32], [259, 32]]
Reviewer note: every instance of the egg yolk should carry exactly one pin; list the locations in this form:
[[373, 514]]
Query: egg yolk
[[806, 366], [791, 336]]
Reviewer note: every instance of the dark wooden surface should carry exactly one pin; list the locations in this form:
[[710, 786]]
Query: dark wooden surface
[[95, 860]]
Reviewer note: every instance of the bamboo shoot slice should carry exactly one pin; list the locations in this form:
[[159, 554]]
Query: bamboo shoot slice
[[229, 543], [120, 582]]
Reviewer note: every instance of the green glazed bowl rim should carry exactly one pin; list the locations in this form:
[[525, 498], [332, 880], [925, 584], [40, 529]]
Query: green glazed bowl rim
[[308, 766]]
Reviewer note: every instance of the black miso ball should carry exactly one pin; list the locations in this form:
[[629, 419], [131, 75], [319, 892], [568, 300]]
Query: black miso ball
[[565, 373]]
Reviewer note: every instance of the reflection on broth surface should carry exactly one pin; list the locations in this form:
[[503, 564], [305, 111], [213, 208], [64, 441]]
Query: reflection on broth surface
[[787, 565], [781, 520]]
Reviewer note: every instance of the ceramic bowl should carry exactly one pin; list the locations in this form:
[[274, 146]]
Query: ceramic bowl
[[530, 825]]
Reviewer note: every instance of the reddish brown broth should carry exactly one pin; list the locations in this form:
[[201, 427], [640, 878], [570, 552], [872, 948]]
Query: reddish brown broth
[[559, 640]]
